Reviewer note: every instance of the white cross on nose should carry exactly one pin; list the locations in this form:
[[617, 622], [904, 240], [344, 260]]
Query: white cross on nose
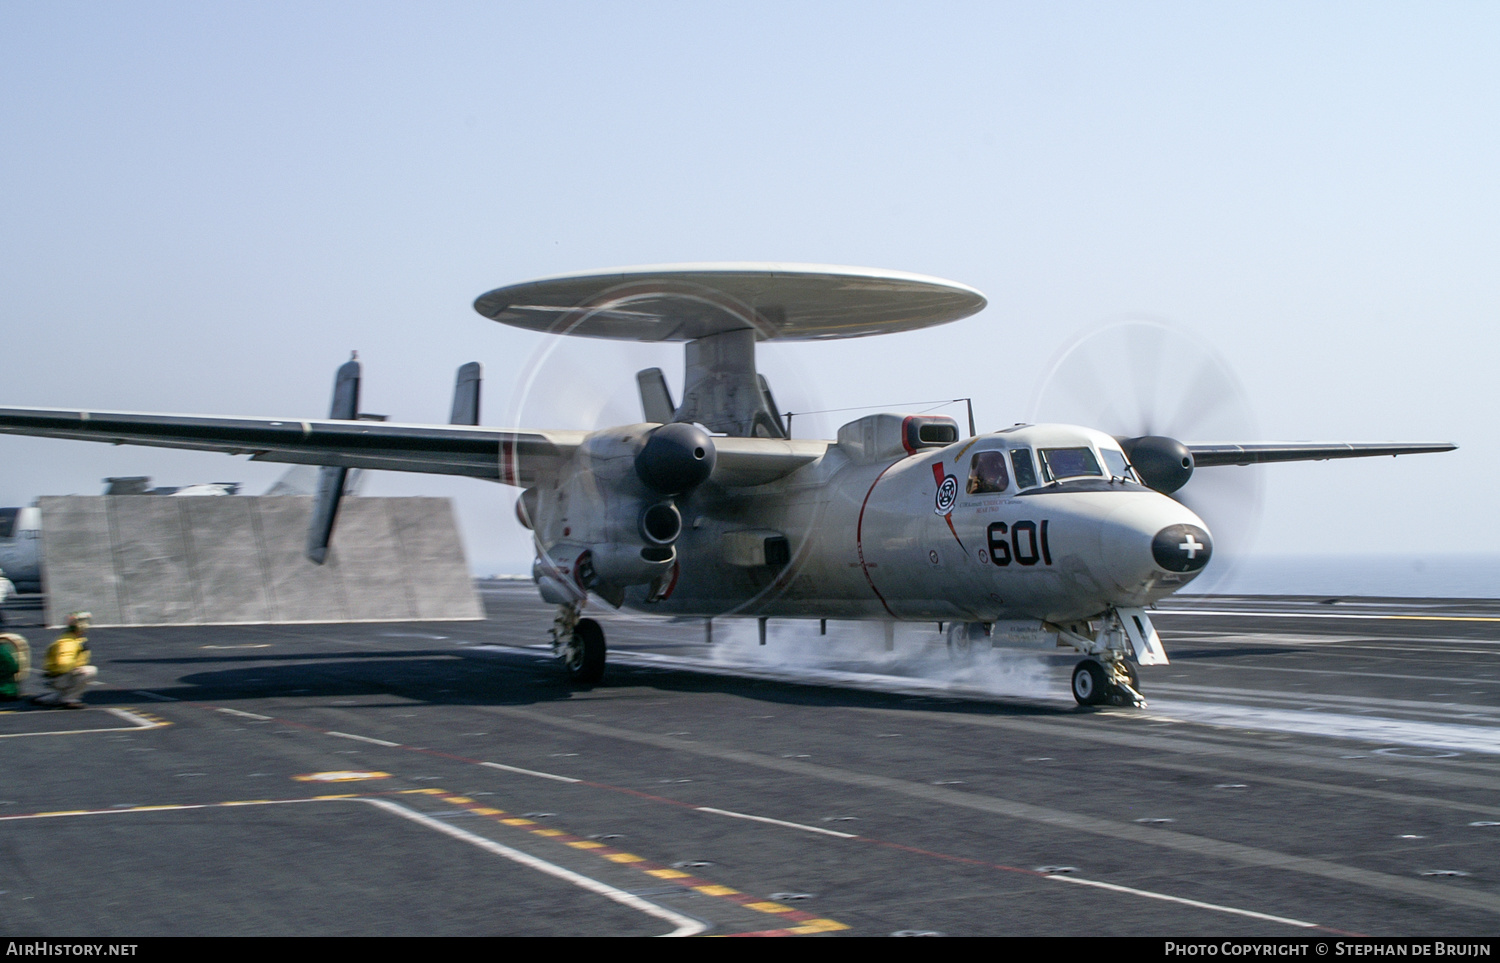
[[1191, 546]]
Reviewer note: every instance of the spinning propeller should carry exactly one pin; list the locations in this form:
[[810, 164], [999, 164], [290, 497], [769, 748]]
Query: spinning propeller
[[1155, 386]]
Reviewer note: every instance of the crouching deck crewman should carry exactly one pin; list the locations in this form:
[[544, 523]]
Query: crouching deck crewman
[[67, 667]]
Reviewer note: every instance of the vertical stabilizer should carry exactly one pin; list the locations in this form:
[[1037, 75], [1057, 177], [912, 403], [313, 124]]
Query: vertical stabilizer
[[466, 395], [345, 407], [656, 398]]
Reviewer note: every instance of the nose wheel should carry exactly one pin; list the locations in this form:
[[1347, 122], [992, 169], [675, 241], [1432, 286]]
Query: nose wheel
[[1097, 684]]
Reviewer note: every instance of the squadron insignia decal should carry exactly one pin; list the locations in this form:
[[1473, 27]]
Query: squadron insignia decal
[[947, 490]]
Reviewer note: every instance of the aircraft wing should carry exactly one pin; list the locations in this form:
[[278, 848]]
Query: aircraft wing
[[742, 462], [1207, 456], [503, 455]]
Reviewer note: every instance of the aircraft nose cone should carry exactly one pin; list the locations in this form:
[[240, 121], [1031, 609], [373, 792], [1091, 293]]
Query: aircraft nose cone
[[1182, 548]]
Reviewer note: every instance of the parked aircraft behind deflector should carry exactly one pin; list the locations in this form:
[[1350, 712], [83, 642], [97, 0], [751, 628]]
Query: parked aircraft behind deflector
[[1056, 534]]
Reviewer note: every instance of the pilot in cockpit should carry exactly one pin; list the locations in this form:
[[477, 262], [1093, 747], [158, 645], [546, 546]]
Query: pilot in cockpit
[[987, 473]]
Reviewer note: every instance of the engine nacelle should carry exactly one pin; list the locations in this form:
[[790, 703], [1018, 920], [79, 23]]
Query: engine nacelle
[[676, 458], [1164, 464]]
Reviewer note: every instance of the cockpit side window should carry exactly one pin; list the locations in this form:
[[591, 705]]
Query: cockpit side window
[[1025, 470], [987, 473], [1117, 465], [1069, 463]]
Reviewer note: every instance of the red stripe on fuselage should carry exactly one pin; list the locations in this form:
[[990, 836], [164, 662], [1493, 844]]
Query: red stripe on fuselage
[[859, 537]]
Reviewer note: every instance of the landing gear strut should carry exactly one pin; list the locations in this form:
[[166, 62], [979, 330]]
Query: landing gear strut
[[579, 643]]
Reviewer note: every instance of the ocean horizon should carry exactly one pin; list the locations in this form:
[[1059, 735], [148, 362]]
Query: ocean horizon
[[1458, 576]]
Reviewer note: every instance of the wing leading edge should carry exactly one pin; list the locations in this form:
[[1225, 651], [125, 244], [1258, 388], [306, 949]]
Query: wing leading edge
[[503, 455], [1208, 456], [509, 456]]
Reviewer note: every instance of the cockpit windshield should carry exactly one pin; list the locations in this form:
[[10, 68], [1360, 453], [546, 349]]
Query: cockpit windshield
[[1059, 463], [1117, 465]]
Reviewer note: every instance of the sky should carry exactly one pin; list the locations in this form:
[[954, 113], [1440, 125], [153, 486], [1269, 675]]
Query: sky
[[207, 206]]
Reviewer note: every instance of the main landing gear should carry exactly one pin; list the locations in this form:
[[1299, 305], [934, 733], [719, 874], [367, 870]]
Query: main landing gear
[[1111, 682], [579, 644]]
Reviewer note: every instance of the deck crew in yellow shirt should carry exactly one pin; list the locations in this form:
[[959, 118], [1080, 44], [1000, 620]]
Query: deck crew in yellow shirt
[[67, 666]]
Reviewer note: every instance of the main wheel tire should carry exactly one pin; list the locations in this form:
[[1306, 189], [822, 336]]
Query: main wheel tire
[[1090, 684], [963, 642], [586, 663]]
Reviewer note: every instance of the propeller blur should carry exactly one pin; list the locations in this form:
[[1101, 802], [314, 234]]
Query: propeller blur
[[1038, 535]]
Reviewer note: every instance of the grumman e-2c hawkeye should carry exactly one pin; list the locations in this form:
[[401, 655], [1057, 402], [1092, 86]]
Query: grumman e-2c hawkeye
[[1053, 534]]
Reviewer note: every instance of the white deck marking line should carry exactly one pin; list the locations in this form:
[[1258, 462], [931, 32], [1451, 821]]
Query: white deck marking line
[[1075, 822], [1382, 730], [375, 742], [136, 722], [530, 772], [775, 822], [155, 695], [1366, 675], [1447, 709], [243, 715], [1331, 615], [1115, 887], [686, 926], [140, 721]]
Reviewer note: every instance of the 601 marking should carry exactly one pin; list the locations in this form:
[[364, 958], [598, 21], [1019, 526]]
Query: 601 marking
[[1027, 543]]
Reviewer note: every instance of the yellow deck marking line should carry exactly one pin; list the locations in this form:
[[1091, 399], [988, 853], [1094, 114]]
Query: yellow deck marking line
[[774, 822], [1115, 887], [166, 808], [806, 922], [769, 907], [137, 721], [342, 775], [374, 742], [684, 925], [819, 926], [529, 772]]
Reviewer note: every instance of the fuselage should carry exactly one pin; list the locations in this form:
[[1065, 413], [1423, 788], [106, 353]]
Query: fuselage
[[1039, 522], [20, 547]]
